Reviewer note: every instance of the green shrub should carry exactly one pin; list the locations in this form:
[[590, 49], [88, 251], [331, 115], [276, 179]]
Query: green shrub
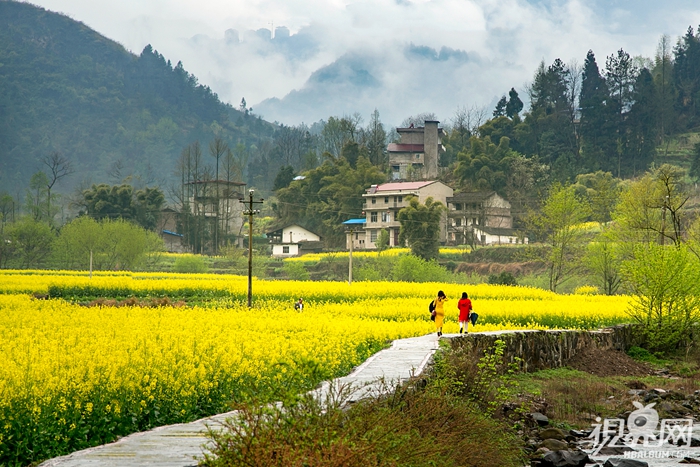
[[190, 264], [410, 268], [295, 270], [504, 278]]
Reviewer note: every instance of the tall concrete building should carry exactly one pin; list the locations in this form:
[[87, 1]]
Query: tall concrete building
[[416, 155]]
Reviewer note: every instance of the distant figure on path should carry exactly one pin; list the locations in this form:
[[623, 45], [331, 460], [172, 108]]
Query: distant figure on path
[[465, 308], [439, 311], [299, 305]]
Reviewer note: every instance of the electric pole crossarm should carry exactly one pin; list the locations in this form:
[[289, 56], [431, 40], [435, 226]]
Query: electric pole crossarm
[[250, 212]]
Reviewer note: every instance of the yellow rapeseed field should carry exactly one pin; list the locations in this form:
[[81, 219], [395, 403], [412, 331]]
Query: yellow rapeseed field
[[73, 376]]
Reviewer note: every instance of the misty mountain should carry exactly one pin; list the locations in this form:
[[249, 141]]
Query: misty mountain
[[113, 114]]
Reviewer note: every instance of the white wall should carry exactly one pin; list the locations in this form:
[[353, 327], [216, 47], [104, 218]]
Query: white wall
[[296, 234], [278, 249]]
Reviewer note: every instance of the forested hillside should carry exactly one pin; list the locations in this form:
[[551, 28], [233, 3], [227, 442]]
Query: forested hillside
[[66, 89]]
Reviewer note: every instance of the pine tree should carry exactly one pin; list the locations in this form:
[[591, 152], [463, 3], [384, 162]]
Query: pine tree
[[515, 105], [500, 110], [594, 127]]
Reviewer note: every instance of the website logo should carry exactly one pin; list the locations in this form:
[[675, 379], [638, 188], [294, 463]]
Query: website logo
[[642, 429]]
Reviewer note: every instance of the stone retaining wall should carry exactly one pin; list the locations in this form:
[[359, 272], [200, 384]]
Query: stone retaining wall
[[540, 350]]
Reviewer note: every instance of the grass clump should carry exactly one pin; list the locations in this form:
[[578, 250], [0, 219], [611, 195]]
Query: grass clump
[[411, 427], [426, 422]]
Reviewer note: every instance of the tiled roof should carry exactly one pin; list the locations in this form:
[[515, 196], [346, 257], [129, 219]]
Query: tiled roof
[[472, 197], [408, 186], [396, 147]]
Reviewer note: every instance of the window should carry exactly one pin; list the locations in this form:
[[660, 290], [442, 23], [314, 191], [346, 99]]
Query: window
[[357, 236], [417, 156], [386, 217], [458, 206], [373, 217], [386, 200], [458, 222], [374, 200], [400, 199], [474, 222], [373, 236], [285, 250]]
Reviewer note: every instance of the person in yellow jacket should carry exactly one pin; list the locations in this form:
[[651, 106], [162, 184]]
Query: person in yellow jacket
[[439, 311]]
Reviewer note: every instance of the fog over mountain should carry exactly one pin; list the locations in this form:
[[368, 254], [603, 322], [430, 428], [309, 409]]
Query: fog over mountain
[[403, 57]]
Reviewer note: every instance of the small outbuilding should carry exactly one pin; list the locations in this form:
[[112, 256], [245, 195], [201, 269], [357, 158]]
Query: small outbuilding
[[293, 240]]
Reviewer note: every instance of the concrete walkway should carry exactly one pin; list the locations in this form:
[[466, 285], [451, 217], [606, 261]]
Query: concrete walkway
[[181, 445]]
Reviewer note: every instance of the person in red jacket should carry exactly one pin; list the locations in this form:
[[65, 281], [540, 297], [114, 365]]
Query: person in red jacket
[[465, 308]]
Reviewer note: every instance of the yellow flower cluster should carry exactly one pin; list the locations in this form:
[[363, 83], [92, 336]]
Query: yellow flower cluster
[[70, 374]]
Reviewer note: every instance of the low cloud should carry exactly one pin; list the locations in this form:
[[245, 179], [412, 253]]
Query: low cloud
[[332, 57]]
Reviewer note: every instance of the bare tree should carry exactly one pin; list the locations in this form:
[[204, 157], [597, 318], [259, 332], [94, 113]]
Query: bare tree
[[59, 167]]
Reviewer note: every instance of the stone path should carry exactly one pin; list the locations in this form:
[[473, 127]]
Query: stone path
[[180, 445]]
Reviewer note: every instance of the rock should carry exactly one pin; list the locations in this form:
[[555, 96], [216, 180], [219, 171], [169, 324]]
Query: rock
[[658, 390], [541, 420], [614, 462], [554, 444], [614, 450], [541, 451], [565, 459], [689, 460], [636, 392], [580, 433], [552, 433]]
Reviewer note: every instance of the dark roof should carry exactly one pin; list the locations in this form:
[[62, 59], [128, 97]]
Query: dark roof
[[398, 186], [473, 197], [221, 182], [280, 227], [503, 232], [396, 147]]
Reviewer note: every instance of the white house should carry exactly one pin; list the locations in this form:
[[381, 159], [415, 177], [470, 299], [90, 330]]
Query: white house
[[383, 202], [292, 240], [496, 236]]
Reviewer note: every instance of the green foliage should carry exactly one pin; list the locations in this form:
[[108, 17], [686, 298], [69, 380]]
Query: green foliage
[[283, 178], [602, 191], [409, 426], [30, 243], [410, 268], [122, 202], [329, 195], [665, 282], [382, 242], [420, 227], [113, 244], [190, 264], [296, 271], [602, 259], [494, 378], [643, 355], [504, 278], [559, 227], [484, 165], [653, 208]]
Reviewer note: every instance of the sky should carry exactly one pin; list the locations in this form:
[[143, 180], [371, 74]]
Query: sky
[[402, 57]]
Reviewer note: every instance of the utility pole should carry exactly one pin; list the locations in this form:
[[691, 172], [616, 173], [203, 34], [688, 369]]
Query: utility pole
[[350, 257], [250, 212]]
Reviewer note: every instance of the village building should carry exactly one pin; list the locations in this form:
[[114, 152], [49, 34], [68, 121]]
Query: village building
[[383, 202], [355, 230], [293, 240], [416, 155], [480, 218], [219, 202]]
